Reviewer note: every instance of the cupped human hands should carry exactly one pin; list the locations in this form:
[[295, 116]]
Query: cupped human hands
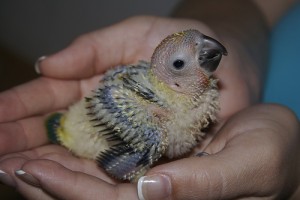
[[254, 155], [241, 161]]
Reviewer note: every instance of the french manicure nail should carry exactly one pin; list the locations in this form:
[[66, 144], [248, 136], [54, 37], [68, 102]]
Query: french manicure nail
[[154, 187], [37, 64], [28, 178], [6, 179]]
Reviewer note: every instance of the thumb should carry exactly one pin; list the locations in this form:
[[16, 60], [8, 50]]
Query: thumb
[[224, 175], [248, 158], [181, 180]]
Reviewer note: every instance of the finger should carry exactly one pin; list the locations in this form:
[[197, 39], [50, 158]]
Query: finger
[[63, 183], [9, 177], [95, 52], [77, 164], [42, 96], [36, 153], [37, 97], [22, 134], [58, 154]]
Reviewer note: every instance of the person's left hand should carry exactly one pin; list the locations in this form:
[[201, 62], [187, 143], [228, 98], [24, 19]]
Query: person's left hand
[[255, 154]]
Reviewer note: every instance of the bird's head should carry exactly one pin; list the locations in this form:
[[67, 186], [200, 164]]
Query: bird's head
[[186, 60]]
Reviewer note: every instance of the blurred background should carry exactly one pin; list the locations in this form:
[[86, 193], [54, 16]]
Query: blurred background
[[32, 28]]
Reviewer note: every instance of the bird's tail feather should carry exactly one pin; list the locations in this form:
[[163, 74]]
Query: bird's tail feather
[[52, 125]]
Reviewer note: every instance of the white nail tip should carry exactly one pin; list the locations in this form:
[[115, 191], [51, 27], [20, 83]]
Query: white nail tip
[[140, 189], [20, 172], [37, 64], [2, 172]]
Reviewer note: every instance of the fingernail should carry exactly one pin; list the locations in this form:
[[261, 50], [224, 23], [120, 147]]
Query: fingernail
[[6, 179], [154, 187], [28, 178], [37, 64], [203, 153]]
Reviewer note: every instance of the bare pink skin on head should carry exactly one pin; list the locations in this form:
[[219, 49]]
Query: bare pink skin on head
[[187, 69]]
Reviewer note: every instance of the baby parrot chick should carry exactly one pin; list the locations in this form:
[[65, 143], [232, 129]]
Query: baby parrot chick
[[139, 113]]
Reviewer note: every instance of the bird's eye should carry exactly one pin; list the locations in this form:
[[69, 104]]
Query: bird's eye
[[178, 64]]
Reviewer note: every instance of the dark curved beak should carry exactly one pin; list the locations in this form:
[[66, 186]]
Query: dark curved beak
[[211, 53]]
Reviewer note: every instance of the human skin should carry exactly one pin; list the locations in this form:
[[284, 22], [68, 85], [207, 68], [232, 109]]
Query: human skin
[[261, 141]]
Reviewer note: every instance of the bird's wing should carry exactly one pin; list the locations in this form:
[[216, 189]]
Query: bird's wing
[[120, 110]]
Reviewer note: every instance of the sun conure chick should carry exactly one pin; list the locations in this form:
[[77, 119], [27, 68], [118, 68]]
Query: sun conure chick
[[139, 113]]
